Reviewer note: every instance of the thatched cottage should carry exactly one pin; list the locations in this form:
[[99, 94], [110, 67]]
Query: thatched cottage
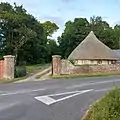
[[92, 51]]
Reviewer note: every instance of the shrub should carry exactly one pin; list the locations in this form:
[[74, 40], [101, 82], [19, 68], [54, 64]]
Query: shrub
[[108, 108], [20, 71]]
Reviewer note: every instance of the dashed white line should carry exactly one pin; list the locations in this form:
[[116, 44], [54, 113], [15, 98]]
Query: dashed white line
[[21, 92]]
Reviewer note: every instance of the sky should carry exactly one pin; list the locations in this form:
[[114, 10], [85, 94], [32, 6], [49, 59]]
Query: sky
[[60, 11]]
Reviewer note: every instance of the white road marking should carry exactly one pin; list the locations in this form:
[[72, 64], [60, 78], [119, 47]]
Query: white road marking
[[70, 96], [65, 93], [48, 100], [21, 92], [94, 83]]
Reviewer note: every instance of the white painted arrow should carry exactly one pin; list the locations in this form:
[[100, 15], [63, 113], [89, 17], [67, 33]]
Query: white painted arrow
[[48, 100]]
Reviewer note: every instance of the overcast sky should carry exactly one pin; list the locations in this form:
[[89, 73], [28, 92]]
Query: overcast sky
[[60, 11]]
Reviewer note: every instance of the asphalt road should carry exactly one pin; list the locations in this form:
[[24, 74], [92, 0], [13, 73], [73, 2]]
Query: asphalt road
[[65, 99]]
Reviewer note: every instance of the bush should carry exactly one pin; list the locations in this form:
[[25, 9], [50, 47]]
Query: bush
[[108, 108], [20, 71]]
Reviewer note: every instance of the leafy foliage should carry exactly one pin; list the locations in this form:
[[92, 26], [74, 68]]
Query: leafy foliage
[[76, 31], [49, 28], [24, 36], [20, 71]]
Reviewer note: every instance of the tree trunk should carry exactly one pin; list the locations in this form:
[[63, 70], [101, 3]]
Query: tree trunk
[[16, 55]]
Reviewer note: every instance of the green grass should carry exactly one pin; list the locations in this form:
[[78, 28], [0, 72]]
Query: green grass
[[84, 75], [107, 108], [12, 80], [31, 69]]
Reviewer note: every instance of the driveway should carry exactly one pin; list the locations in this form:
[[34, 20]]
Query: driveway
[[64, 99]]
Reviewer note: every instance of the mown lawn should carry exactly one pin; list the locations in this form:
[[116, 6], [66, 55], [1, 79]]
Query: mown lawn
[[107, 108]]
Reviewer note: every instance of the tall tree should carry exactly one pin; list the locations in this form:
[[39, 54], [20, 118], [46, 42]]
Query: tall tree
[[103, 31], [77, 30], [73, 34], [49, 28], [19, 28], [52, 47], [117, 35]]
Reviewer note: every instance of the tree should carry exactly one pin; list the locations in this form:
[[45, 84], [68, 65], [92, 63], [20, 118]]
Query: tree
[[49, 28], [77, 30], [52, 47], [117, 35], [73, 34], [103, 31], [19, 28]]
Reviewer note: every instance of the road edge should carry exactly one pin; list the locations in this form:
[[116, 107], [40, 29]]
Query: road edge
[[90, 107]]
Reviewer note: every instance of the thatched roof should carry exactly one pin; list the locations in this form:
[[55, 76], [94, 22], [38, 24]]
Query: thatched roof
[[92, 49], [117, 52]]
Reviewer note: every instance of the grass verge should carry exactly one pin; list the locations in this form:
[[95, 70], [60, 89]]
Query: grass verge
[[39, 76], [43, 73], [12, 80], [32, 69], [82, 76], [107, 108]]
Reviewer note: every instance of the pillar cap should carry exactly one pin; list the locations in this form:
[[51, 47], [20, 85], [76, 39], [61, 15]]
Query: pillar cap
[[56, 56], [9, 56]]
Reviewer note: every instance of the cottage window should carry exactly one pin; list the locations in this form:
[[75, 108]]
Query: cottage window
[[113, 62], [99, 61], [92, 62], [83, 61], [109, 62]]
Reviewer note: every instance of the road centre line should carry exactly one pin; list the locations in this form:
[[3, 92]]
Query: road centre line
[[69, 87], [6, 93], [21, 92]]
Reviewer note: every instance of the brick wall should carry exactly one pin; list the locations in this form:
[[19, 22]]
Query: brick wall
[[68, 68], [1, 69], [65, 67], [56, 65], [7, 67]]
